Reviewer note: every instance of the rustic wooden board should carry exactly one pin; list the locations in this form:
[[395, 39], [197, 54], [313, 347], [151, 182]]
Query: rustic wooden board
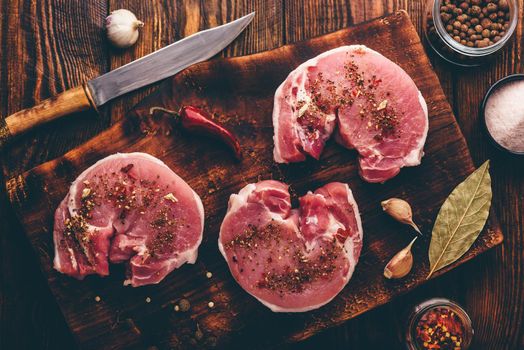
[[240, 92]]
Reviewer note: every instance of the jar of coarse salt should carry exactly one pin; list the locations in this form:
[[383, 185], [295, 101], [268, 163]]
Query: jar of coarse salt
[[503, 113]]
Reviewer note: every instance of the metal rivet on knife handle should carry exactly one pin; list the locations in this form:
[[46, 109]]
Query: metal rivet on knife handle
[[5, 134]]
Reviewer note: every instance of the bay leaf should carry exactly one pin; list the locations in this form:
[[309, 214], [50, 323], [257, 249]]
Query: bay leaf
[[460, 219]]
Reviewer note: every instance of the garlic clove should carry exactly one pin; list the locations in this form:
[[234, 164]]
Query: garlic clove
[[400, 210], [122, 28], [400, 265]]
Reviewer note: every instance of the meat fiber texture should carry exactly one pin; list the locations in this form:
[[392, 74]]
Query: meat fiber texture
[[291, 260], [369, 102], [128, 207]]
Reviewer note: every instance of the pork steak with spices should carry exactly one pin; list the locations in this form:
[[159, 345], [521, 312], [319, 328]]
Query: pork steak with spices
[[368, 102], [128, 207], [291, 260]]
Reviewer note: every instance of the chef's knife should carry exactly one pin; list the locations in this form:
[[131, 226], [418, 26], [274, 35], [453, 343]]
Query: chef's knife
[[144, 71]]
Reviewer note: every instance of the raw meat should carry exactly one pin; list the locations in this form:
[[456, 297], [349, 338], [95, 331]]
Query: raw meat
[[291, 260], [128, 207], [372, 103]]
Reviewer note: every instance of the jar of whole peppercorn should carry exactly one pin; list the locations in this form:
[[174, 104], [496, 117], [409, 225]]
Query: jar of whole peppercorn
[[438, 323], [468, 32]]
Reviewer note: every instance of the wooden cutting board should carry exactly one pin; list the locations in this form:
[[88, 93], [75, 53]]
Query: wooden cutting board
[[239, 91]]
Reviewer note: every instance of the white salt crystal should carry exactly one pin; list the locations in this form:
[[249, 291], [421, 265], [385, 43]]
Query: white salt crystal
[[504, 112]]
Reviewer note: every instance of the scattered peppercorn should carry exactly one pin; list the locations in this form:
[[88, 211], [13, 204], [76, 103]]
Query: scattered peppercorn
[[184, 305]]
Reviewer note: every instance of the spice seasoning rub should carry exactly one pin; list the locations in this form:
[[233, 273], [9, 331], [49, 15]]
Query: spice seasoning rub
[[291, 260], [369, 102], [290, 267], [121, 191], [128, 207], [356, 89]]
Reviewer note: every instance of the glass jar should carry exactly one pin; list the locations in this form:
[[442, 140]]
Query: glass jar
[[443, 43], [418, 318], [495, 87]]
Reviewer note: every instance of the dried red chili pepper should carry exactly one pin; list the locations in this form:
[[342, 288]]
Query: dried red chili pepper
[[194, 119]]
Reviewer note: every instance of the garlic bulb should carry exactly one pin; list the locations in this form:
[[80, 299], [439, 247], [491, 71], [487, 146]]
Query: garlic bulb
[[122, 28], [400, 265], [400, 210]]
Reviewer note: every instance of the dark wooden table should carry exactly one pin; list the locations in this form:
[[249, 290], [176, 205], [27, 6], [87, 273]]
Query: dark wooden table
[[48, 46]]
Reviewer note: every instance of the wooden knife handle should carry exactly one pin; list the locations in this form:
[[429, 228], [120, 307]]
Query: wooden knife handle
[[70, 101]]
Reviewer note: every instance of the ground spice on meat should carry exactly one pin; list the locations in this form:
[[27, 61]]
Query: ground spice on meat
[[303, 270], [120, 190], [324, 94], [306, 271]]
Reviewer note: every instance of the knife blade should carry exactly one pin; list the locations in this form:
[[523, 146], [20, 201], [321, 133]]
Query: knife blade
[[149, 69], [166, 61]]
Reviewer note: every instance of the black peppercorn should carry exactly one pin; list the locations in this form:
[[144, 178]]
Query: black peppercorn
[[475, 11], [503, 5], [485, 23], [446, 17], [482, 43], [474, 23], [464, 6], [492, 7]]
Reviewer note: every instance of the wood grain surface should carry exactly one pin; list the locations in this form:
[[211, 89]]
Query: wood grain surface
[[41, 57], [239, 92]]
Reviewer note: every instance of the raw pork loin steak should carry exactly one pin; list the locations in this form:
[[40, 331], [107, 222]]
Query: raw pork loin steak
[[372, 103], [128, 207], [291, 260]]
